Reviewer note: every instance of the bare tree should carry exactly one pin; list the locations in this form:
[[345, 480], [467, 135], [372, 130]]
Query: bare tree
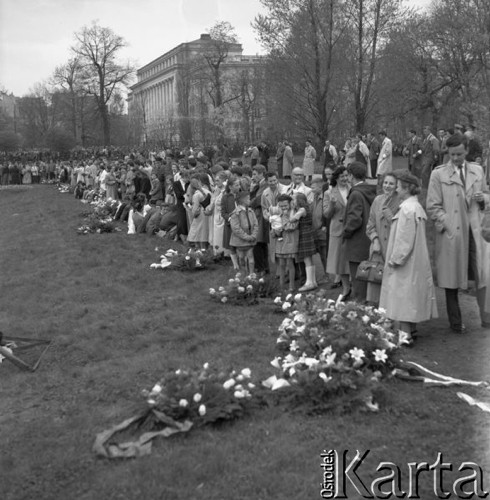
[[69, 78], [305, 39], [97, 49]]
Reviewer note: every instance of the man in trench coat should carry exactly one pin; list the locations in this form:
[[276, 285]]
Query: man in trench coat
[[456, 199]]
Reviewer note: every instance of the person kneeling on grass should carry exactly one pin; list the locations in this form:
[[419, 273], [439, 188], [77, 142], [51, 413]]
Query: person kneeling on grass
[[244, 230]]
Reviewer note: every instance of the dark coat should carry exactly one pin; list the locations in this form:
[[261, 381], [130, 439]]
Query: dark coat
[[356, 242]]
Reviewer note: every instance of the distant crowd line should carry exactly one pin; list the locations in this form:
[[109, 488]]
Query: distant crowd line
[[276, 218]]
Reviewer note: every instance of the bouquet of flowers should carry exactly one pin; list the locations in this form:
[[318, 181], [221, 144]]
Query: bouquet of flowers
[[333, 350], [104, 208], [202, 396], [192, 260], [62, 188], [94, 224], [179, 401], [100, 219], [242, 290]]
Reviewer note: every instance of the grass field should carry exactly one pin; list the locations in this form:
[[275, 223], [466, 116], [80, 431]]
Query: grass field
[[116, 324]]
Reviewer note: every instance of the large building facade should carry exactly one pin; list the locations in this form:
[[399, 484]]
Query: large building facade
[[200, 92]]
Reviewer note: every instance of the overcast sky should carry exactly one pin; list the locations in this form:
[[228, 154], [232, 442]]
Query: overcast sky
[[36, 35]]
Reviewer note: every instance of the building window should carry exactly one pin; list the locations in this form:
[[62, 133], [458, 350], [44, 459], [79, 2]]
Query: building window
[[258, 134]]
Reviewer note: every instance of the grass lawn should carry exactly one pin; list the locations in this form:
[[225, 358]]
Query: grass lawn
[[116, 324]]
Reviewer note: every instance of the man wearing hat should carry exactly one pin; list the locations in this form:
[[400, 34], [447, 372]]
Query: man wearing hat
[[457, 194]]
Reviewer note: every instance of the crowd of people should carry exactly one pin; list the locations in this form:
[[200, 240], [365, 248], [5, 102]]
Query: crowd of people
[[276, 220]]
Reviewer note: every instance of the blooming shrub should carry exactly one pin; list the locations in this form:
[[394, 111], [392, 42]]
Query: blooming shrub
[[202, 396], [331, 349], [243, 290]]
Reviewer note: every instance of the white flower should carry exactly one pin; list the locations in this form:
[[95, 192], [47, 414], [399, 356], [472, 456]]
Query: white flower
[[221, 289], [187, 257], [274, 383], [324, 377], [275, 363], [212, 291], [380, 355], [294, 346], [327, 351], [403, 337], [289, 359], [289, 296], [381, 310], [184, 403], [365, 319], [292, 371], [229, 383], [279, 384], [286, 306], [309, 362], [330, 359], [238, 276], [202, 410], [352, 315], [157, 389], [239, 394], [251, 386], [299, 318], [261, 280], [240, 378], [197, 397], [238, 387], [250, 288], [356, 354], [241, 289], [205, 366], [246, 372], [178, 372], [231, 281], [152, 402], [224, 300], [297, 297], [277, 300]]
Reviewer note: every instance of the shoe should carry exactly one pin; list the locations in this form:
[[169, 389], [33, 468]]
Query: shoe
[[346, 296], [459, 329], [307, 287], [337, 284]]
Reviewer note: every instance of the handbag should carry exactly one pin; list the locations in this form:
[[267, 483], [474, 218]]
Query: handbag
[[370, 271]]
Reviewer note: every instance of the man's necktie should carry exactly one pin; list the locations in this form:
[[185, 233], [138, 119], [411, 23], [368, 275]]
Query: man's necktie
[[461, 175]]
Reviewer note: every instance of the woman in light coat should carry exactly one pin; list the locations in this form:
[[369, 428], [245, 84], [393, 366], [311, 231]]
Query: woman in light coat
[[407, 291], [334, 202], [309, 160], [287, 160]]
